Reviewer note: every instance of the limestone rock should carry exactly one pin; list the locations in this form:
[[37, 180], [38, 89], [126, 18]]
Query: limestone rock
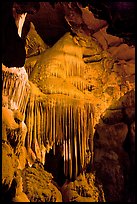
[[37, 185], [112, 135], [34, 44], [106, 40], [128, 54], [30, 63], [22, 158], [83, 189], [129, 114], [8, 121], [111, 175], [112, 117], [132, 137], [20, 196], [127, 100], [9, 165]]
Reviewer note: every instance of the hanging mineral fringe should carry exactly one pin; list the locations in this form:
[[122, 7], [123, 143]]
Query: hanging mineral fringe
[[65, 124], [15, 86]]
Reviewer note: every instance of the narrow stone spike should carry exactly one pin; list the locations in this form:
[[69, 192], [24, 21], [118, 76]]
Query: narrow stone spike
[[36, 119], [45, 124], [36, 143], [3, 80], [23, 98], [57, 124], [28, 122], [70, 139], [38, 124], [75, 144], [79, 138], [14, 92], [54, 128], [64, 153], [11, 87], [15, 97], [32, 119], [91, 132], [63, 120], [19, 93], [46, 120], [34, 130], [65, 139], [51, 124], [5, 91], [41, 123], [60, 124], [84, 135], [57, 128], [26, 101], [7, 87], [48, 123]]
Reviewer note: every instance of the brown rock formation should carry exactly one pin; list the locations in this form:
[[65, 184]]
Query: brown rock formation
[[38, 186], [84, 81], [83, 189]]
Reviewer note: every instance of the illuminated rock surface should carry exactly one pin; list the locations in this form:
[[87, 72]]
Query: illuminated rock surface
[[34, 44], [77, 98], [9, 165], [83, 189], [38, 185]]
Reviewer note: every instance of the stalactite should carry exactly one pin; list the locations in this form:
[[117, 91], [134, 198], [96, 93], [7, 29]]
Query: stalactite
[[61, 122], [75, 143], [41, 125], [54, 129], [37, 124], [51, 125], [15, 86], [79, 138]]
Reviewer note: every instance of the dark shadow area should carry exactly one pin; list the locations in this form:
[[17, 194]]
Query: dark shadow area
[[55, 165]]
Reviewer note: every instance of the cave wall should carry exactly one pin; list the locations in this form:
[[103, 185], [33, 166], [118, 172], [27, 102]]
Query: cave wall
[[90, 64]]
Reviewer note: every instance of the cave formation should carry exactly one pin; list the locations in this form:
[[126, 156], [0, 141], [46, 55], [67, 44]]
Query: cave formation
[[68, 102]]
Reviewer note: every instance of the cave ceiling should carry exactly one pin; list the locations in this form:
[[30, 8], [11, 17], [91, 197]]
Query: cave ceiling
[[53, 20]]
